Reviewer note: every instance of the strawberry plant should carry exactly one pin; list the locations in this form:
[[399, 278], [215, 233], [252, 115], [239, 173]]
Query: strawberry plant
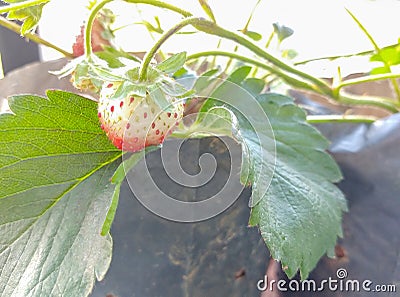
[[64, 157]]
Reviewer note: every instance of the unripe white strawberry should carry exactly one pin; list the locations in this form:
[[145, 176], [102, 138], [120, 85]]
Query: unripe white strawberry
[[135, 122]]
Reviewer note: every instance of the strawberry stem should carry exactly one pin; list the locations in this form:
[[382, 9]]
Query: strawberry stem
[[162, 5], [89, 25], [306, 81], [213, 29], [153, 51], [100, 5], [321, 119], [286, 77], [348, 99]]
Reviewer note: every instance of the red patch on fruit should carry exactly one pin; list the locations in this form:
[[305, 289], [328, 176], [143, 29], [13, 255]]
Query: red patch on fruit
[[118, 142], [98, 41]]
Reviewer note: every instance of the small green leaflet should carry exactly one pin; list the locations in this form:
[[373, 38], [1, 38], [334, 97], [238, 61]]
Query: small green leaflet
[[150, 27], [300, 214], [207, 9], [29, 16], [173, 63], [253, 35], [55, 170]]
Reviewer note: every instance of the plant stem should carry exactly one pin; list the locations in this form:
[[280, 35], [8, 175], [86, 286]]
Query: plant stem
[[289, 79], [246, 27], [344, 98], [162, 5], [89, 25], [368, 78], [99, 6], [151, 53], [351, 99], [378, 50], [321, 119], [35, 38], [331, 58], [214, 29], [21, 5]]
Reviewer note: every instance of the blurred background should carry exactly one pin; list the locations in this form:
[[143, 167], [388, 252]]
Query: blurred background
[[321, 28]]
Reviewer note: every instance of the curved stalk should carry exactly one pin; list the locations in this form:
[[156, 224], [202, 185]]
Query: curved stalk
[[356, 119], [344, 98], [150, 54], [350, 99], [89, 25], [214, 29], [365, 79], [99, 6], [162, 5], [276, 71], [21, 5]]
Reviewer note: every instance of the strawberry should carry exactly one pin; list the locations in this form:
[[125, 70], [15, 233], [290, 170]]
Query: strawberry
[[83, 84], [135, 122]]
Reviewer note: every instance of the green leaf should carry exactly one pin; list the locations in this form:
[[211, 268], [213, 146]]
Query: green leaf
[[294, 201], [30, 16], [380, 70], [173, 63], [253, 35], [217, 121], [300, 215], [282, 31], [116, 58], [128, 88], [388, 55], [205, 80], [172, 87], [254, 85], [236, 77], [55, 166], [159, 97]]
